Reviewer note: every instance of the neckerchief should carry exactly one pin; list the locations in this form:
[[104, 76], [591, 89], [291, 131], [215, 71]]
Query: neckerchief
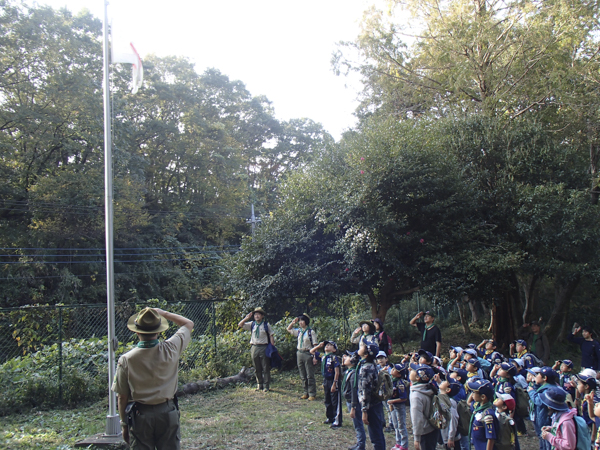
[[489, 352], [479, 408], [323, 361], [520, 355], [147, 344], [427, 328], [258, 324], [348, 372], [301, 343]]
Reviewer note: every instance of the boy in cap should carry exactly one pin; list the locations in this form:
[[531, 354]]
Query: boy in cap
[[350, 392], [484, 424], [562, 433], [397, 405], [260, 334], [421, 394], [565, 377], [151, 386], [383, 364], [518, 349], [450, 388], [586, 386], [507, 437], [330, 369], [545, 379], [503, 383], [371, 408], [487, 347]]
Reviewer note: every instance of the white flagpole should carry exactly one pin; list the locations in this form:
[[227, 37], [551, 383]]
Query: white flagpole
[[113, 427]]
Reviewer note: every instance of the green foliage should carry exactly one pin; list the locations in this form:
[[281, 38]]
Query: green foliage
[[33, 381]]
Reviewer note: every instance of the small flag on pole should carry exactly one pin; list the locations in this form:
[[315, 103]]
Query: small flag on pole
[[123, 51]]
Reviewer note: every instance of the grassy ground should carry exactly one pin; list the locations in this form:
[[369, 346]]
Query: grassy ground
[[231, 418]]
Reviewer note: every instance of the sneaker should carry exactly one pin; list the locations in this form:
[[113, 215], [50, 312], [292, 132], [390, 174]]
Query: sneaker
[[328, 421], [304, 397], [389, 429], [312, 399], [335, 425]]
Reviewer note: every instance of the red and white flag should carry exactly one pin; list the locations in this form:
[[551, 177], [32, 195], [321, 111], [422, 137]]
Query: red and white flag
[[123, 51]]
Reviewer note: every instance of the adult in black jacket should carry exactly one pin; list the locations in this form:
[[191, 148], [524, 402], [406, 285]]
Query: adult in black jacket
[[590, 348]]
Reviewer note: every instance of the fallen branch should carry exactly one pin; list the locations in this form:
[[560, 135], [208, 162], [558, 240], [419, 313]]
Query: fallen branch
[[244, 375]]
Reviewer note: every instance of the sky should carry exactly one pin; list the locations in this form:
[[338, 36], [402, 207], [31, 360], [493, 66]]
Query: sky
[[281, 49]]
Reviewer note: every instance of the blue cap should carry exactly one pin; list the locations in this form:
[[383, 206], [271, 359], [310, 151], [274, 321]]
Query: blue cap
[[331, 343], [454, 387], [456, 349], [549, 372], [511, 369], [554, 398], [522, 342], [400, 367], [497, 358], [472, 346], [534, 370], [462, 373], [371, 348], [471, 352], [426, 354], [424, 372], [587, 379], [475, 362], [482, 386], [567, 362]]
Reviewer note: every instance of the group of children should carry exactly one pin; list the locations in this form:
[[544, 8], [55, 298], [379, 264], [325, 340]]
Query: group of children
[[478, 397]]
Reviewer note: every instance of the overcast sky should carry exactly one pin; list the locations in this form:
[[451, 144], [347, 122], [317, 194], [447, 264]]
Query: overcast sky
[[278, 48]]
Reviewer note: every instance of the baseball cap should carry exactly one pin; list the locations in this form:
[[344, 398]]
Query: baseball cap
[[426, 354], [381, 353], [522, 342], [508, 400], [400, 367], [471, 352], [332, 343], [482, 386], [456, 349], [424, 372], [567, 362], [512, 370], [534, 370], [475, 362], [462, 374], [497, 358], [549, 372], [590, 381]]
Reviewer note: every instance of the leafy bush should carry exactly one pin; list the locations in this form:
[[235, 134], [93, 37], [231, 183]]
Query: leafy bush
[[33, 381]]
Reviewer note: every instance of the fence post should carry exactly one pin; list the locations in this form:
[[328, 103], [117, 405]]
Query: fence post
[[214, 311], [60, 361]]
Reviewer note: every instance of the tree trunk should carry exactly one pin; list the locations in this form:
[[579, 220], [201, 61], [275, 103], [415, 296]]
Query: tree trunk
[[388, 297], [244, 375], [474, 312], [463, 316], [557, 326], [527, 285], [503, 321]]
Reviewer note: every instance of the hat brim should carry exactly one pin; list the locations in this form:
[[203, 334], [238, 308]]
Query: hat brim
[[133, 327], [552, 404]]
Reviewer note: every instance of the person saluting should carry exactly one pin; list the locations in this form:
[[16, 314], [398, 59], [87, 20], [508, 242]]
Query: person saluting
[[146, 381]]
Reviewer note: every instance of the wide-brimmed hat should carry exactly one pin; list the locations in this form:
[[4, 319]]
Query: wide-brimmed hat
[[554, 398], [259, 310], [147, 321], [368, 322]]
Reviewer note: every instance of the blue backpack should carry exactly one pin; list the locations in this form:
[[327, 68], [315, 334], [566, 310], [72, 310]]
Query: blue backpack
[[584, 439]]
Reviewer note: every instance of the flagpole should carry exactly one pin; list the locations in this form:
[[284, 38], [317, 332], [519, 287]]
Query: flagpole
[[113, 427]]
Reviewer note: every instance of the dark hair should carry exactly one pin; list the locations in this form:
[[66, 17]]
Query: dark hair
[[305, 318], [588, 329]]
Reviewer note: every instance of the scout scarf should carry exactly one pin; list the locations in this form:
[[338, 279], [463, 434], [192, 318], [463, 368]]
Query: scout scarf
[[478, 409], [427, 328], [301, 337], [323, 361], [257, 332], [147, 344]]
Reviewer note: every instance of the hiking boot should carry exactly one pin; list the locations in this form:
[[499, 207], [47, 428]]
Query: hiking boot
[[304, 397], [312, 399]]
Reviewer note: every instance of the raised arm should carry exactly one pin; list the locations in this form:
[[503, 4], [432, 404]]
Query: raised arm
[[178, 320]]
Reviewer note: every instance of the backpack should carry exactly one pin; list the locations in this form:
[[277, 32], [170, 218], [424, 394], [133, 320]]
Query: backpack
[[388, 341], [506, 433], [440, 414], [584, 439], [522, 403], [384, 387], [536, 361], [464, 417]]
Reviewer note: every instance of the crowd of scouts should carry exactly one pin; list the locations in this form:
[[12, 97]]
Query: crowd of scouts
[[478, 397]]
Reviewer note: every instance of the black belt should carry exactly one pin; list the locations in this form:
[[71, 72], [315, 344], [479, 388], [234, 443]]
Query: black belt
[[261, 345], [304, 351]]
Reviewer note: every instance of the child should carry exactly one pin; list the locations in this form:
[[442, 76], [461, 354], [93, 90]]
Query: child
[[545, 379], [490, 347], [504, 381], [364, 333], [421, 393], [383, 364], [371, 408], [398, 404], [518, 349], [454, 357], [507, 436], [350, 391], [425, 357], [330, 369], [565, 379], [562, 434], [484, 426], [586, 385], [450, 434]]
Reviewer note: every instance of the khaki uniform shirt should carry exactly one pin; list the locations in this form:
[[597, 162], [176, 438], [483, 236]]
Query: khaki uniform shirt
[[262, 334], [304, 342], [149, 375]]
